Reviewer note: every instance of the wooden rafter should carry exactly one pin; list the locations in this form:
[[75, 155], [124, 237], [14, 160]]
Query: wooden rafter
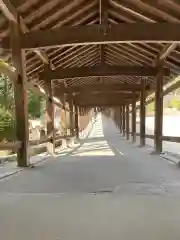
[[166, 51]]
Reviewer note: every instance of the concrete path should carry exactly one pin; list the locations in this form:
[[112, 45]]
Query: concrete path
[[103, 188]]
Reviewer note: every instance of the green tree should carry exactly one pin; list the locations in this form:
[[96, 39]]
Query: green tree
[[6, 93], [174, 103], [35, 105], [7, 122], [7, 125], [7, 118], [150, 107]]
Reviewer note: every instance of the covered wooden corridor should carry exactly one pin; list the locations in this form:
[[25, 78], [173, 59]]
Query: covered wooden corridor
[[99, 61], [84, 54]]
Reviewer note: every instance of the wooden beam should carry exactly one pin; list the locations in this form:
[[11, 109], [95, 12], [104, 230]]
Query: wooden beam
[[11, 14], [97, 34], [101, 97], [133, 118], [100, 104], [166, 51], [127, 121], [104, 95], [90, 88], [158, 126], [143, 113], [20, 94], [99, 71]]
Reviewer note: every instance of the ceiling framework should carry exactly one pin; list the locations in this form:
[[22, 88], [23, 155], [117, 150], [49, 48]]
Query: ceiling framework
[[94, 44]]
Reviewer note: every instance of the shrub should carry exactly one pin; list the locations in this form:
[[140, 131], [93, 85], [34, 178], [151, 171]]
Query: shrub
[[174, 103], [7, 125], [150, 107]]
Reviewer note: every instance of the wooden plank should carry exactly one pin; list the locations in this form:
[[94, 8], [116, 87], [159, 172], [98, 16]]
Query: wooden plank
[[142, 113], [134, 118], [159, 110], [171, 139], [20, 94], [127, 121], [13, 146], [97, 34], [99, 71]]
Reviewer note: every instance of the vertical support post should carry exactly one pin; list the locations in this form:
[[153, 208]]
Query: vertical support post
[[134, 118], [120, 118], [127, 121], [124, 119], [142, 113], [20, 93], [71, 117], [50, 117], [158, 126], [65, 115], [76, 122]]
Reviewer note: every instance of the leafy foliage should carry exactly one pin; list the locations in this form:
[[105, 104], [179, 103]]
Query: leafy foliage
[[174, 103], [6, 93], [7, 118], [7, 125], [150, 107], [35, 105], [7, 122]]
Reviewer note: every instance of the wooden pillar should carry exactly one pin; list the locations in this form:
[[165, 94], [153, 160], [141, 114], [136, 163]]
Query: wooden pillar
[[66, 125], [20, 93], [124, 119], [158, 125], [76, 122], [120, 118], [142, 112], [50, 117], [127, 121], [134, 118], [71, 117]]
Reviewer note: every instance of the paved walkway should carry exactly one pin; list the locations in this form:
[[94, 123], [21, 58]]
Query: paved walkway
[[102, 188]]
